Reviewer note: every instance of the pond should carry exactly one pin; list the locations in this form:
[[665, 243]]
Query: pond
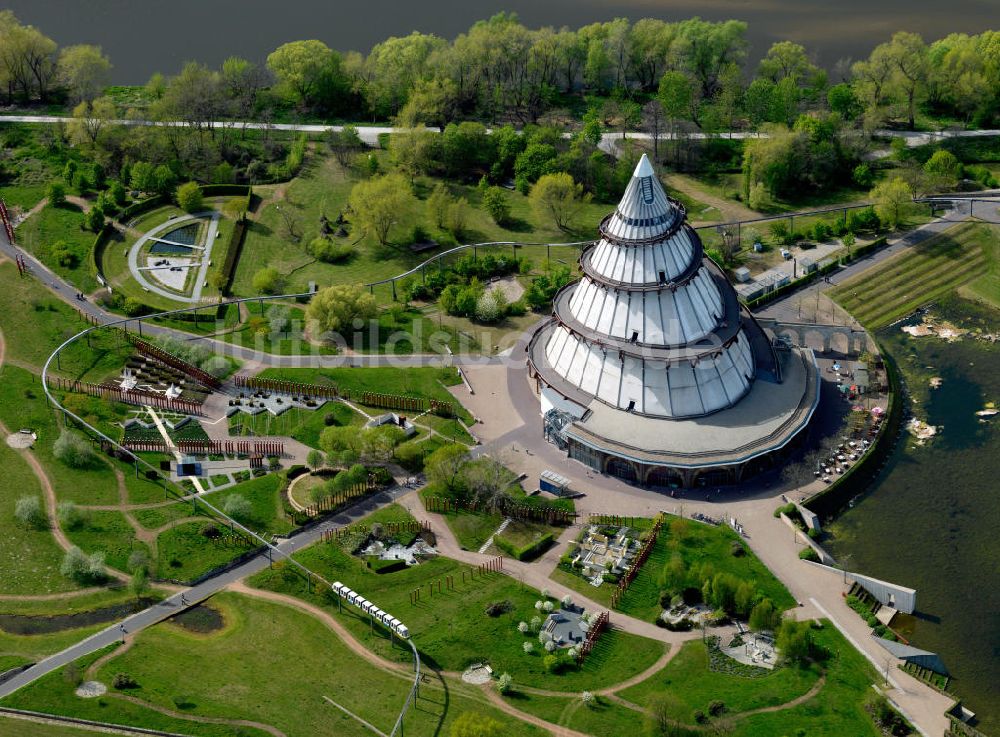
[[23, 624], [929, 520], [186, 235]]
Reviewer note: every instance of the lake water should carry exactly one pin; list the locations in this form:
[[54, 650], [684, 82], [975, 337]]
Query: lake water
[[931, 520], [146, 37]]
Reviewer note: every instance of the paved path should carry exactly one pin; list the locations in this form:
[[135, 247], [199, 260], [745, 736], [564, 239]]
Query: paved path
[[174, 604]]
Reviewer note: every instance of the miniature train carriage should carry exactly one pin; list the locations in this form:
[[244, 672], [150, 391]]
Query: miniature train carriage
[[371, 609]]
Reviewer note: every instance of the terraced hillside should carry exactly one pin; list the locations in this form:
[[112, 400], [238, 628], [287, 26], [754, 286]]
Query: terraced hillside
[[918, 276]]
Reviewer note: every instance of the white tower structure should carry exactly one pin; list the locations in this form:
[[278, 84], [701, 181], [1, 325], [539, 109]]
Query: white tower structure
[[649, 355]]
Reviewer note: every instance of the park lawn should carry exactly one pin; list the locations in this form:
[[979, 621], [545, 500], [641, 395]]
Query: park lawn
[[427, 382], [604, 717], [451, 628], [235, 671], [22, 728], [324, 188], [35, 323], [264, 495], [61, 226], [110, 595], [837, 710], [697, 543], [986, 288], [304, 425], [53, 694], [109, 533], [687, 677], [919, 275], [23, 404], [185, 554], [18, 650], [154, 518], [24, 196], [30, 563]]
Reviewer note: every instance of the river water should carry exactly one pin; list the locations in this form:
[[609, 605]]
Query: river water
[[931, 520], [143, 37]]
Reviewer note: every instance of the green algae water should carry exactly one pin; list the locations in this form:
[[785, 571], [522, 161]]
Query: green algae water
[[931, 520]]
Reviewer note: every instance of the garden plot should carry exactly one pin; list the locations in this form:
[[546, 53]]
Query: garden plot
[[172, 272], [605, 550]]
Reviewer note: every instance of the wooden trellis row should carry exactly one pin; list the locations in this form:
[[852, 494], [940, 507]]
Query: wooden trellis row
[[155, 352], [640, 559], [493, 565], [7, 225], [521, 512], [326, 391], [138, 397], [408, 404], [611, 519], [255, 450], [596, 628]]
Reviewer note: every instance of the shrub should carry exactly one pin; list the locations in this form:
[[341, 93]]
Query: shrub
[[499, 607], [495, 203], [70, 517], [28, 511], [523, 628], [588, 698], [210, 531], [56, 193], [550, 662], [238, 507], [73, 449], [505, 684], [528, 647], [736, 549], [716, 708], [123, 681], [95, 219], [82, 568], [809, 554]]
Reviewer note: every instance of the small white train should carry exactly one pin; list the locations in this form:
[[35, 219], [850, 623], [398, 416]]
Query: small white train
[[356, 599]]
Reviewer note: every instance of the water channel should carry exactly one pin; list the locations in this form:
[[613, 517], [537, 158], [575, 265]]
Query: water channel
[[931, 519]]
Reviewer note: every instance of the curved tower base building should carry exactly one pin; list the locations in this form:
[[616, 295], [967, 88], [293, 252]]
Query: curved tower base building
[[651, 370]]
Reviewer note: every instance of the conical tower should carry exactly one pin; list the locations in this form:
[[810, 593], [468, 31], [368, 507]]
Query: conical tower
[[652, 339], [653, 327]]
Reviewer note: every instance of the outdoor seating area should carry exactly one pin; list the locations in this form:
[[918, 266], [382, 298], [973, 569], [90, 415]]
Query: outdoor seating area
[[565, 626], [604, 550], [254, 403], [753, 649]]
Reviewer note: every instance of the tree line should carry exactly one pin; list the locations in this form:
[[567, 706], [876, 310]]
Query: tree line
[[651, 72]]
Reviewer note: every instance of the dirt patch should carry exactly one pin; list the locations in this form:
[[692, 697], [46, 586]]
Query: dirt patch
[[21, 440], [510, 287], [91, 689], [200, 619], [22, 624]]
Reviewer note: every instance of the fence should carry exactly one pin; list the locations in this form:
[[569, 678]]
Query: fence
[[209, 447], [409, 404], [138, 397], [335, 501], [530, 512], [596, 628], [389, 528], [7, 225], [640, 559], [327, 391], [155, 352]]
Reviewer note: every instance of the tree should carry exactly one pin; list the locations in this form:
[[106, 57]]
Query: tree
[[299, 65], [28, 511], [142, 177], [83, 568], [91, 118], [338, 309], [558, 198], [379, 203], [909, 57], [457, 218], [764, 617], [794, 641], [843, 101], [444, 466], [345, 144], [84, 70], [786, 59], [315, 459], [893, 200], [139, 582], [56, 193], [235, 208], [95, 219], [660, 721], [266, 280], [943, 171], [505, 684], [73, 449], [432, 102], [189, 197], [474, 724], [438, 202], [496, 204], [238, 507]]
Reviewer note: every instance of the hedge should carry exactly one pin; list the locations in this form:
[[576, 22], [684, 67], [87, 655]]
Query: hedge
[[142, 206], [527, 552], [233, 250], [97, 252]]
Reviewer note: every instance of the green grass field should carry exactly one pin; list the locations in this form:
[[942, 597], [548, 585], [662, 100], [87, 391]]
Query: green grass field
[[451, 628], [61, 226], [232, 674], [30, 564], [965, 254]]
